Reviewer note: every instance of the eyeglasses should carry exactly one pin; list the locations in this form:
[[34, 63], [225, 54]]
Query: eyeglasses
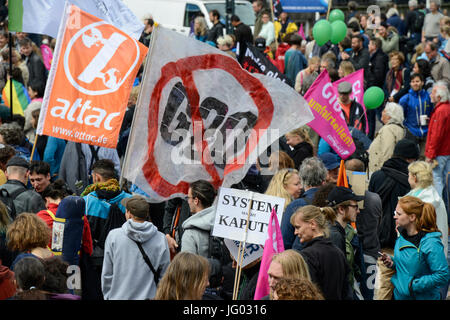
[[354, 206]]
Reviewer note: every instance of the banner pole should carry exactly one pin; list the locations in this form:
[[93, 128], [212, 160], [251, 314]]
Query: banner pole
[[329, 7], [241, 253], [132, 131], [10, 77], [34, 147]]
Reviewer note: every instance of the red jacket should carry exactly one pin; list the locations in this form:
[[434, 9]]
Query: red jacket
[[438, 142]]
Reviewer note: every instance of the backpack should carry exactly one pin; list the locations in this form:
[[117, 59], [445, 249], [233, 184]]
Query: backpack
[[418, 21], [8, 200], [115, 219], [218, 250]]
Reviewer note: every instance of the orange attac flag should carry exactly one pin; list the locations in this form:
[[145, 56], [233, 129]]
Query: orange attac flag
[[92, 74]]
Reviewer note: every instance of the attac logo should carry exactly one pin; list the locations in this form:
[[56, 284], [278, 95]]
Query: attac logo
[[103, 49], [94, 68]]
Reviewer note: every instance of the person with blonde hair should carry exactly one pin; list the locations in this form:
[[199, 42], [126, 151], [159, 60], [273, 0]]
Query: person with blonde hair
[[186, 278], [420, 178], [200, 29], [345, 68], [327, 264], [277, 160], [313, 174], [225, 43], [286, 264], [305, 78], [382, 147], [285, 184], [421, 268], [301, 145], [296, 289], [29, 235]]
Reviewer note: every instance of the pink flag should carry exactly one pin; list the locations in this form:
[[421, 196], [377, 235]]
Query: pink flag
[[274, 244], [329, 121], [47, 55], [301, 32], [357, 80]]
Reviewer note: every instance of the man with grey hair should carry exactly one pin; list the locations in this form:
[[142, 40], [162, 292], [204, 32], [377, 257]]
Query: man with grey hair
[[437, 148], [382, 147], [440, 67], [25, 200], [313, 174], [431, 26]]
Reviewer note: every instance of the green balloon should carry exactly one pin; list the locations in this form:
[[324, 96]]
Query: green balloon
[[336, 15], [322, 32], [338, 31], [373, 97]]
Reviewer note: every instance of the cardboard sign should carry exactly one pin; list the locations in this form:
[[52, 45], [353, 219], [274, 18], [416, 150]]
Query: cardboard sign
[[92, 74], [232, 212], [359, 182], [251, 251]]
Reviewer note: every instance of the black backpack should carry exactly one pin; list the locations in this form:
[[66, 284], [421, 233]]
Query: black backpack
[[418, 21], [218, 250], [8, 200], [116, 218]]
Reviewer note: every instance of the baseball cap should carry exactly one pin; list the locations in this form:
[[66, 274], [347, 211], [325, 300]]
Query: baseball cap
[[17, 161], [345, 87], [340, 194], [137, 205], [330, 160]]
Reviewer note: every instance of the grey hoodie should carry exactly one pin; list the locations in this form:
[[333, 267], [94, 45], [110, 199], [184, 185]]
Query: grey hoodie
[[125, 275], [197, 229]]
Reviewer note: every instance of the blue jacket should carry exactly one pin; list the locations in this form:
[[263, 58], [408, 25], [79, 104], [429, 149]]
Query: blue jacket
[[53, 153], [287, 230], [413, 108], [425, 266]]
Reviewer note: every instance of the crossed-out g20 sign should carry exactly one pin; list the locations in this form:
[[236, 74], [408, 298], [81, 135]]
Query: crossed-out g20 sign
[[201, 116]]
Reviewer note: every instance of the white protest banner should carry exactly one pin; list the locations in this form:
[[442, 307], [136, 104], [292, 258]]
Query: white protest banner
[[232, 211], [201, 116], [251, 251]]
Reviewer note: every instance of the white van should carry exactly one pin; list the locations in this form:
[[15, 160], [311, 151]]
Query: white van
[[177, 14]]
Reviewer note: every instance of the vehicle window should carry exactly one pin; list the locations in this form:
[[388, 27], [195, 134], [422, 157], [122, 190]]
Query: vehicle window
[[191, 12], [243, 10]]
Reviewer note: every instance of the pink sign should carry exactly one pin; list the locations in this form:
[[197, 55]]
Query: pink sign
[[273, 245], [329, 121], [357, 80]]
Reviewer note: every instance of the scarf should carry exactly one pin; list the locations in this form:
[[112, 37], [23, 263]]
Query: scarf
[[110, 185], [394, 79]]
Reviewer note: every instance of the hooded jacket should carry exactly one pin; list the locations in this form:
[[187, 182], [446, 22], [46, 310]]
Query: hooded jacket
[[390, 182], [197, 229], [415, 104], [430, 195], [420, 272], [125, 274]]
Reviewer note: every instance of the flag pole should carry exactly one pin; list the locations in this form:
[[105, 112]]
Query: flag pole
[[237, 276], [132, 129], [10, 76], [34, 147], [329, 8]]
